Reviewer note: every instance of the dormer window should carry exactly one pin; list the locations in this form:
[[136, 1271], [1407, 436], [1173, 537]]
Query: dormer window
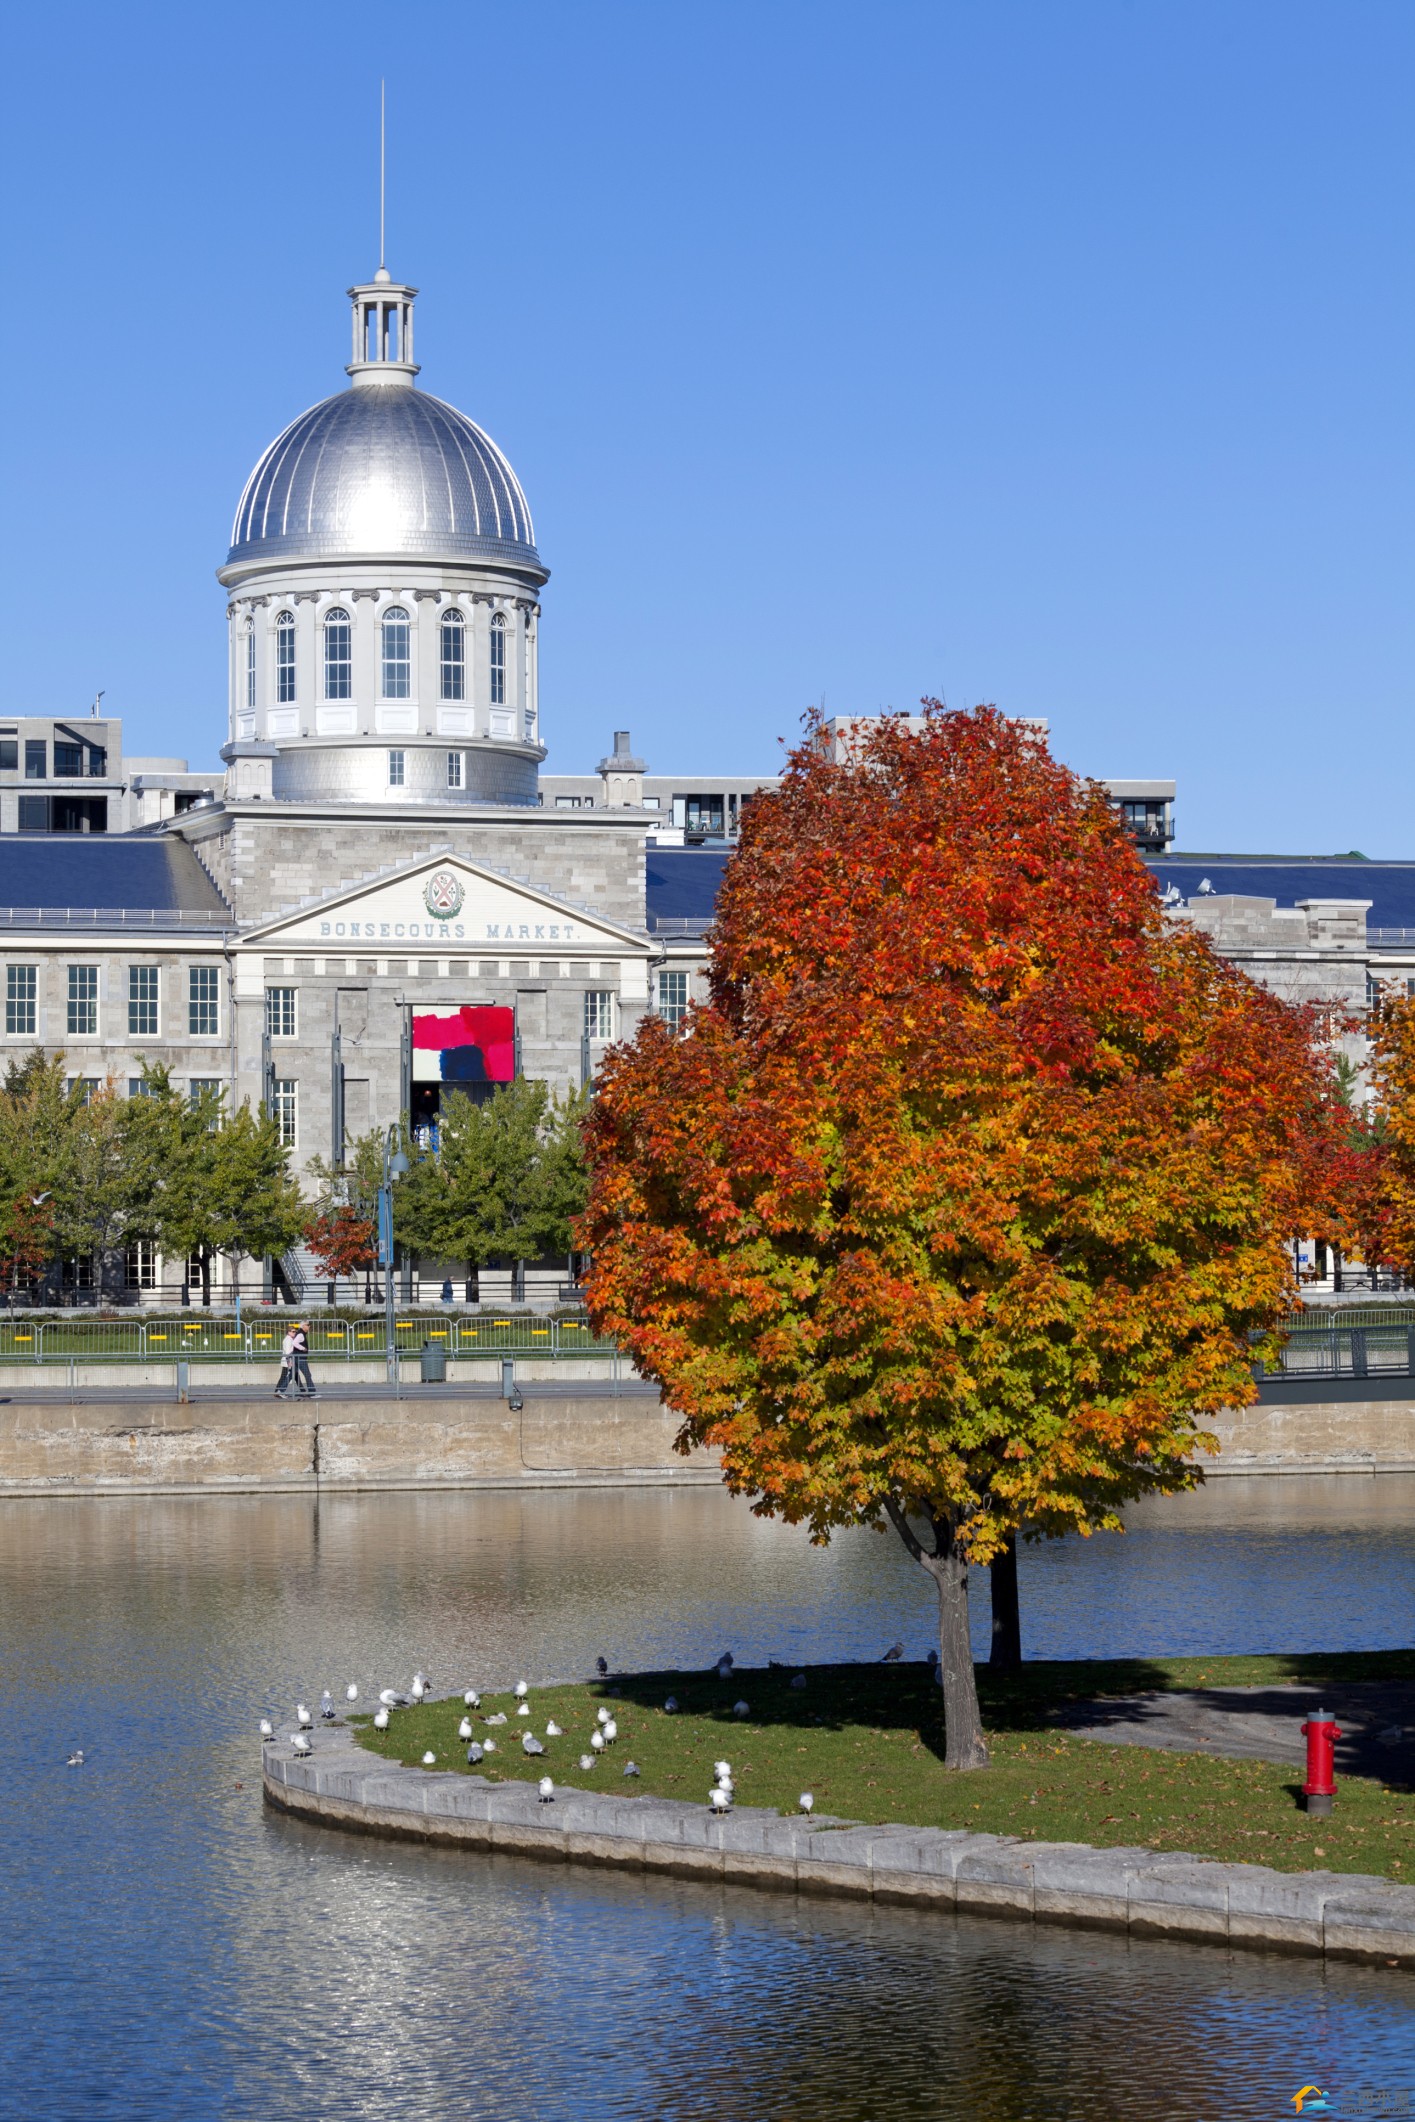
[[396, 661]]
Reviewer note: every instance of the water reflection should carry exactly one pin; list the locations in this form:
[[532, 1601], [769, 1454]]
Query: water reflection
[[173, 1951]]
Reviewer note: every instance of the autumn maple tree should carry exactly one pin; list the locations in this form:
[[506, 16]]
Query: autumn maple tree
[[956, 1205]]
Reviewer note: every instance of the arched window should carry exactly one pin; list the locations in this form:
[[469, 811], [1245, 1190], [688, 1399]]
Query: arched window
[[338, 655], [250, 663], [285, 657], [498, 660], [397, 658], [454, 656]]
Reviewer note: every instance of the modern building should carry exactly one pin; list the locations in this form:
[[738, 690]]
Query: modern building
[[383, 896]]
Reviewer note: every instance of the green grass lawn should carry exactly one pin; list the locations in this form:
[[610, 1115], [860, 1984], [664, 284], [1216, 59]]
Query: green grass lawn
[[867, 1740]]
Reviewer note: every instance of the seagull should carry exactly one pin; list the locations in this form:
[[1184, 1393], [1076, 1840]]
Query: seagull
[[597, 1741], [523, 1709], [429, 1760], [472, 1698], [611, 1732], [726, 1783], [741, 1709], [521, 1690], [419, 1687], [601, 1716], [326, 1706], [670, 1707], [474, 1754], [499, 1718], [76, 1758], [380, 1720], [631, 1768], [721, 1769], [489, 1746], [267, 1729], [587, 1760], [547, 1791], [300, 1743], [893, 1654], [303, 1717], [530, 1744], [806, 1802], [724, 1666], [601, 1666], [719, 1800], [391, 1699], [351, 1693], [464, 1729], [552, 1729], [799, 1680]]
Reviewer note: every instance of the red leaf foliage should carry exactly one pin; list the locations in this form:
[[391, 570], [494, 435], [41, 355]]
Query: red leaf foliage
[[342, 1241], [968, 1185]]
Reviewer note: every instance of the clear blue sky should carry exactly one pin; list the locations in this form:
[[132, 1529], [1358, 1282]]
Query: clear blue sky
[[1051, 352]]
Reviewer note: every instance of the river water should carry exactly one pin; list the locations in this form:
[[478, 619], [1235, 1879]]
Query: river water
[[170, 1949]]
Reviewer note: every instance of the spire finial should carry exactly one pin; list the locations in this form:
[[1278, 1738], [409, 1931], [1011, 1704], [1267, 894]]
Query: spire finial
[[382, 168]]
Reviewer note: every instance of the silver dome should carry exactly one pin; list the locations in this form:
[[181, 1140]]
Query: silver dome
[[384, 471]]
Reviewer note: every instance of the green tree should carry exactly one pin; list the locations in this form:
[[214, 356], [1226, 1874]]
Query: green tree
[[498, 1187]]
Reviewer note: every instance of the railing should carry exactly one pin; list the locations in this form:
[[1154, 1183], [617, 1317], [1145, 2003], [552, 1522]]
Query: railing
[[115, 917], [679, 924], [1361, 1347], [258, 1340]]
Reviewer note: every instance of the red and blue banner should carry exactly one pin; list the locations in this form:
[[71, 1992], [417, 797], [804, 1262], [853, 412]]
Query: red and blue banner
[[475, 1044]]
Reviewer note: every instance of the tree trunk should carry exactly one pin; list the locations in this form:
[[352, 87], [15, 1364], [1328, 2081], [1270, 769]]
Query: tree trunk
[[1006, 1653], [964, 1745]]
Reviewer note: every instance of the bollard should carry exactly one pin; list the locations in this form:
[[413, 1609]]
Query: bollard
[[184, 1379], [1319, 1789], [508, 1376]]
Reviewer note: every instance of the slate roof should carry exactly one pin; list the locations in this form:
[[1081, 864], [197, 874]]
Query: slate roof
[[102, 879]]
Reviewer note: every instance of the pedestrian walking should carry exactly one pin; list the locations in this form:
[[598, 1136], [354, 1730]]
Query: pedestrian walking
[[287, 1366], [300, 1362]]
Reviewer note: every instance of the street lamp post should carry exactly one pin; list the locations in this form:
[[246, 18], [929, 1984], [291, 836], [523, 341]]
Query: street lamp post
[[394, 1165]]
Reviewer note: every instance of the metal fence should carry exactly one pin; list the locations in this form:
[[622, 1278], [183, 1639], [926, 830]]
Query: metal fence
[[258, 1340], [1366, 1345]]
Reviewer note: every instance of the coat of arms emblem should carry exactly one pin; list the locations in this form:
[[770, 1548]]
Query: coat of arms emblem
[[443, 895]]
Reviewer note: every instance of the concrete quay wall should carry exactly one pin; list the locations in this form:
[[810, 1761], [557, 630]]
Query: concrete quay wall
[[218, 1445], [1132, 1889]]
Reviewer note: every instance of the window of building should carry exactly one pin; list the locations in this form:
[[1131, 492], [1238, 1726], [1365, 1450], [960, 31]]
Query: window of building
[[68, 761], [83, 1001], [650, 803], [250, 663], [285, 657], [9, 755], [21, 1000], [142, 1001], [280, 1012], [34, 814], [36, 759], [200, 1087], [338, 655], [498, 660], [97, 762], [140, 1265], [673, 998], [396, 664], [700, 814], [1146, 821], [599, 1013], [84, 1087], [203, 1001], [397, 768], [453, 639], [141, 1087], [454, 769], [282, 1109], [75, 814], [567, 803]]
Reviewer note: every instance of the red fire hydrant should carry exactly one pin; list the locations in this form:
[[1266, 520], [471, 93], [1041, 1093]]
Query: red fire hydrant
[[1320, 1787]]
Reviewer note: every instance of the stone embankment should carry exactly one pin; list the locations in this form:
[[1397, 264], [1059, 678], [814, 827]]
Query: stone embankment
[[1134, 1890]]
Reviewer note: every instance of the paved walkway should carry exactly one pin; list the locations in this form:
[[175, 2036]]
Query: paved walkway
[[1262, 1723]]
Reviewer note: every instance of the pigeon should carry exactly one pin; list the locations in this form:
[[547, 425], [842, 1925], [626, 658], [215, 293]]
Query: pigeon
[[611, 1732], [464, 1729], [76, 1758], [521, 1690], [326, 1706], [597, 1741], [552, 1729], [741, 1709], [380, 1720], [806, 1802], [587, 1760], [893, 1654], [499, 1718], [530, 1744], [799, 1680], [303, 1717], [489, 1746], [267, 1729], [670, 1707], [300, 1744], [601, 1716], [351, 1693], [472, 1698], [474, 1754], [724, 1666], [631, 1768], [547, 1791], [719, 1800], [429, 1760], [601, 1666]]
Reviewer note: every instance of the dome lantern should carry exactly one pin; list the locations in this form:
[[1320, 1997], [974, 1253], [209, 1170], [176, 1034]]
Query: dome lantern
[[383, 331]]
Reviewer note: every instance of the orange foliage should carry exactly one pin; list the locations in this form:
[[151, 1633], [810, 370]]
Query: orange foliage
[[342, 1241]]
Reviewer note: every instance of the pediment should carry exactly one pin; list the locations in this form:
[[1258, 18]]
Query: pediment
[[447, 903]]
